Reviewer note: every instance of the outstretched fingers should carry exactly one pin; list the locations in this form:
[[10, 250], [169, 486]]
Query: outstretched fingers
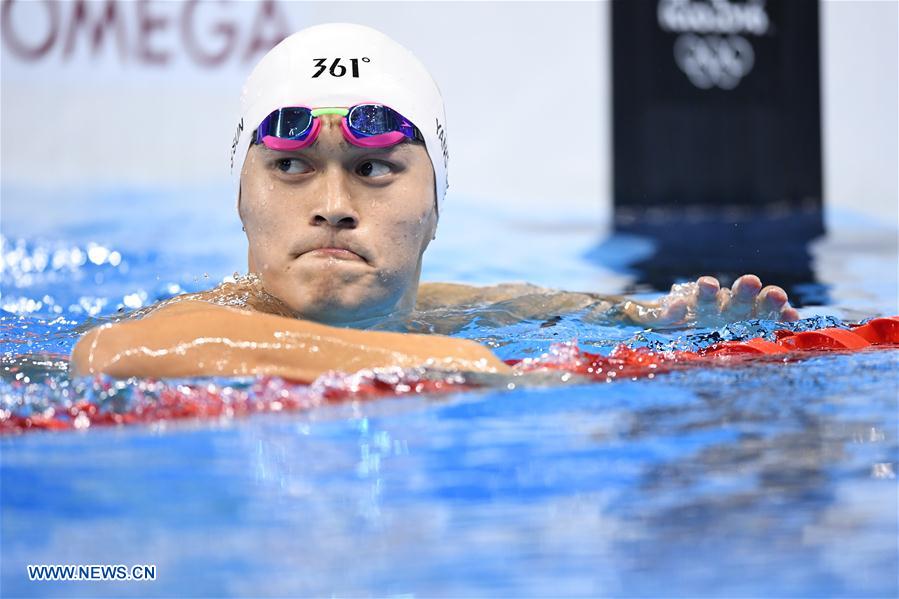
[[709, 304], [789, 314], [748, 299], [708, 290], [742, 301], [772, 303]]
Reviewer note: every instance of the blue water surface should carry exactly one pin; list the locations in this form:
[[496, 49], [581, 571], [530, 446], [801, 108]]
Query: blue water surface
[[770, 479]]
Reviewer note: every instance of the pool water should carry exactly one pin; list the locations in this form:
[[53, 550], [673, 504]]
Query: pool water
[[762, 479]]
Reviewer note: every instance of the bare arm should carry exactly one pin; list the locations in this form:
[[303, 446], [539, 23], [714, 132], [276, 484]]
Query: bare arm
[[703, 302], [540, 300], [195, 338]]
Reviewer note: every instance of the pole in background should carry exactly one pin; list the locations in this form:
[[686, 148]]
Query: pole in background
[[717, 136]]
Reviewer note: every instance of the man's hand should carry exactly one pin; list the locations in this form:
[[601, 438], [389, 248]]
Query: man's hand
[[706, 303]]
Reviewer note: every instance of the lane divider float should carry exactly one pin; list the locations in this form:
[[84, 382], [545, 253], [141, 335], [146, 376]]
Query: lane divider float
[[162, 401], [627, 362]]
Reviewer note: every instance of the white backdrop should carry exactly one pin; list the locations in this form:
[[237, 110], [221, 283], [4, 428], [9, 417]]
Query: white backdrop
[[128, 104]]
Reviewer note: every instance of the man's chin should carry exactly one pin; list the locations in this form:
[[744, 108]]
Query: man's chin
[[335, 294], [327, 307]]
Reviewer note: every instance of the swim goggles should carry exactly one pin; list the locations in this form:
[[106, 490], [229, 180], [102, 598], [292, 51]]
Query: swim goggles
[[364, 125]]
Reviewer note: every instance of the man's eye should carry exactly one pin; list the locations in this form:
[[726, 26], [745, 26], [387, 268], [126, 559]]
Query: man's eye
[[373, 168], [292, 166]]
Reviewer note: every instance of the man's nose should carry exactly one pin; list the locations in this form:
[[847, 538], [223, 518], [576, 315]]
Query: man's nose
[[335, 208]]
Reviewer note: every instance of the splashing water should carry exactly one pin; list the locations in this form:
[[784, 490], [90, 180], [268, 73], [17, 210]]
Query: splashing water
[[43, 319], [34, 393], [745, 480]]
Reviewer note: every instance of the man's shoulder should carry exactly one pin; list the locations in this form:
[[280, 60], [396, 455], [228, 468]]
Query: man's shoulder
[[437, 295], [241, 293]]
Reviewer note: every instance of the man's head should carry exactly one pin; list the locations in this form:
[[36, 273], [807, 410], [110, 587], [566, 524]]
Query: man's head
[[337, 230]]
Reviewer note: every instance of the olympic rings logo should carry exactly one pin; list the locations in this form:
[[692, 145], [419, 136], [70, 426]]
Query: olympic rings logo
[[714, 60]]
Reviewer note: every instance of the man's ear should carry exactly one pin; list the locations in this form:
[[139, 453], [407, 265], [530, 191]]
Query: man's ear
[[243, 226], [436, 219], [432, 234], [436, 211]]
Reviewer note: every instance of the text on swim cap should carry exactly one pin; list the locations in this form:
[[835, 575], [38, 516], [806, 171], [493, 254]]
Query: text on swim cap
[[441, 135], [336, 69], [236, 141]]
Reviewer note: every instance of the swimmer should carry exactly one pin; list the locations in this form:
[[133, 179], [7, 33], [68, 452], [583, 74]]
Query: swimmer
[[340, 171]]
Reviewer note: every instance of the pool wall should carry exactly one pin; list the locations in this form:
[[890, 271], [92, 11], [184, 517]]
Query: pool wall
[[132, 90]]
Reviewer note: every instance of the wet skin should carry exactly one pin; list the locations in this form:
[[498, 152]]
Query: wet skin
[[336, 235], [338, 232], [707, 303]]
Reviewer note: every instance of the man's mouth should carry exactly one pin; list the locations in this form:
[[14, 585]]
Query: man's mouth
[[335, 253], [332, 249]]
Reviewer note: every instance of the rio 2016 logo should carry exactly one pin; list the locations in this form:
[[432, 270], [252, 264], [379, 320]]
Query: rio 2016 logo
[[336, 69], [713, 45], [714, 60]]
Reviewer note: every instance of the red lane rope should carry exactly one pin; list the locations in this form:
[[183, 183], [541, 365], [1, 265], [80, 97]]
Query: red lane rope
[[155, 401], [161, 401], [625, 362]]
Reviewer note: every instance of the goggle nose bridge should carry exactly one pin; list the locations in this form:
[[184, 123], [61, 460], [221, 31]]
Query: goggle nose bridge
[[321, 111]]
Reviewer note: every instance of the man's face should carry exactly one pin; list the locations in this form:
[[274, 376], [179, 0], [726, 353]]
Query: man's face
[[337, 232]]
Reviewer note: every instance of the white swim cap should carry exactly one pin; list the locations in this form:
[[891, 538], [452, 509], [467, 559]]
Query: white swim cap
[[339, 65]]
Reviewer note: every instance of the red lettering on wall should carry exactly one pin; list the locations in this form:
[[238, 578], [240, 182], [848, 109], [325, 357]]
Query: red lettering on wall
[[269, 12], [146, 24], [210, 33], [109, 18], [16, 45], [188, 31]]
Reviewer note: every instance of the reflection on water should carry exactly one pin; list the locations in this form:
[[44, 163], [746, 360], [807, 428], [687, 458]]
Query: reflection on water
[[748, 481], [852, 267], [774, 247], [766, 480]]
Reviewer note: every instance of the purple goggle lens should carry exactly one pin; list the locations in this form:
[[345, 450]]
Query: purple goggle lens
[[364, 123]]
